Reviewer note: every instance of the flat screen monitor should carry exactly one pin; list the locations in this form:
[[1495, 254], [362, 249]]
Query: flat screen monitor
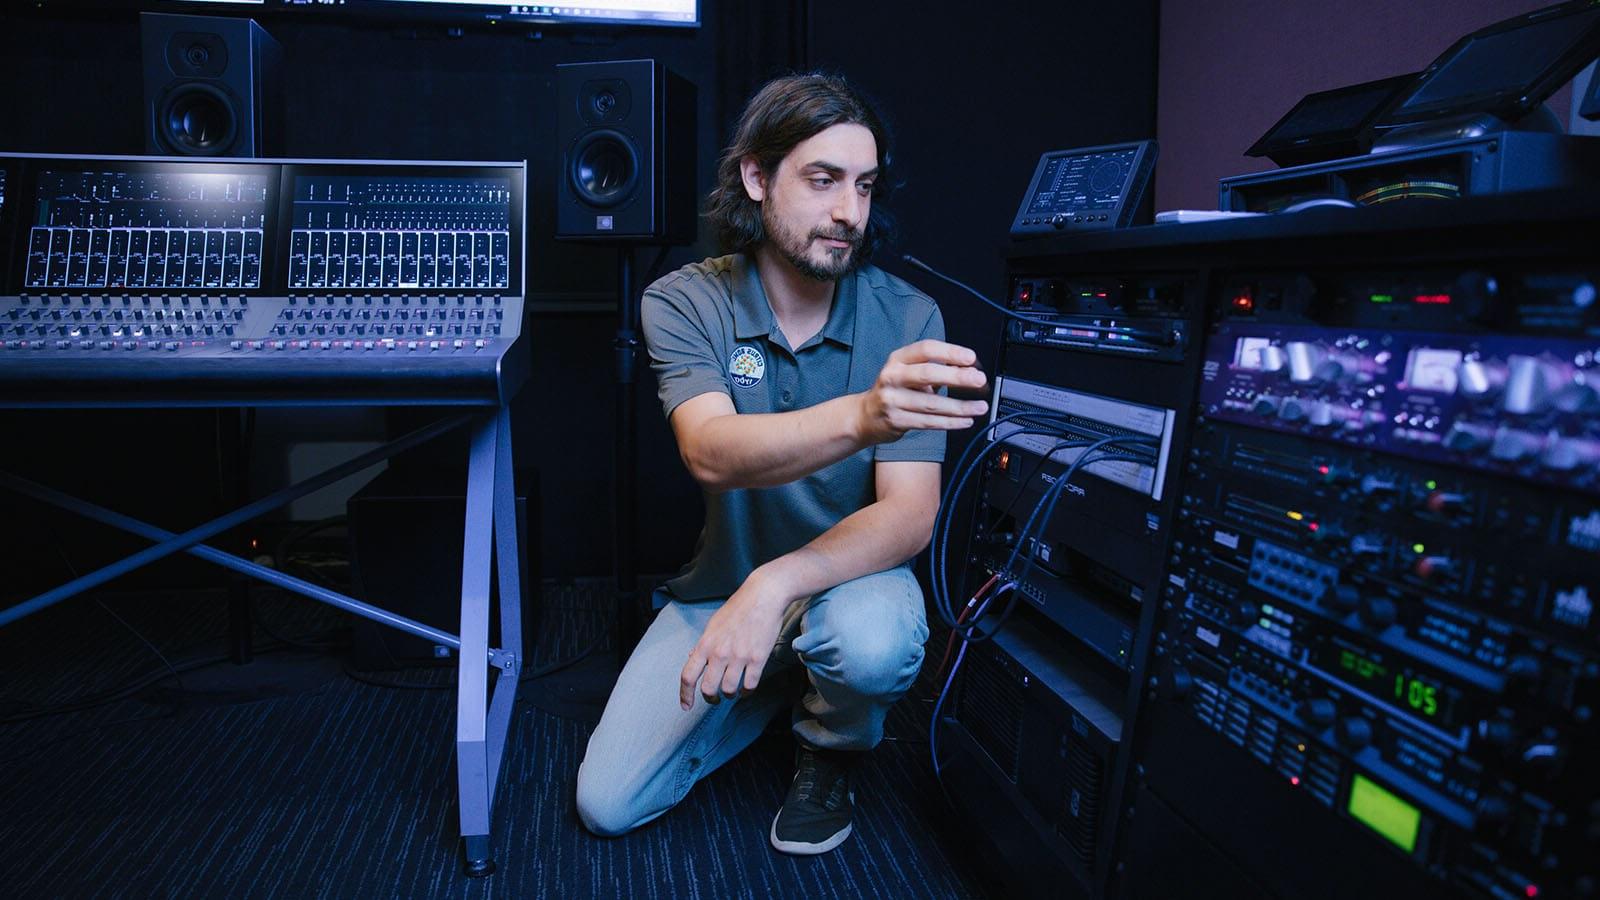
[[1328, 124], [1506, 69]]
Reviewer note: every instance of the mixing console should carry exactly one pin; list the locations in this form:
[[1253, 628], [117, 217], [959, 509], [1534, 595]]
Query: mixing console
[[140, 275]]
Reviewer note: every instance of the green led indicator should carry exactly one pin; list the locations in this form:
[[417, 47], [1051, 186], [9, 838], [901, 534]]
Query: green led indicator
[[1385, 813], [1432, 485], [1382, 298], [1418, 549]]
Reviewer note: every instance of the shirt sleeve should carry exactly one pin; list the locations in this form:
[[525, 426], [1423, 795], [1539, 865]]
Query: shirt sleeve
[[682, 352], [918, 446]]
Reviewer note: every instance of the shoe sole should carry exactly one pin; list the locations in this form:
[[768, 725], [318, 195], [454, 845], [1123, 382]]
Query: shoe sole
[[801, 848]]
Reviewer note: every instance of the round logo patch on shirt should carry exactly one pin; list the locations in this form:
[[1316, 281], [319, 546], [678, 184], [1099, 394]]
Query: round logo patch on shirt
[[746, 366]]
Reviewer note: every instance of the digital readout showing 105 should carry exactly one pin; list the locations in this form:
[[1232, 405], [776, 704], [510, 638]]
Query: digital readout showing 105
[[1406, 690]]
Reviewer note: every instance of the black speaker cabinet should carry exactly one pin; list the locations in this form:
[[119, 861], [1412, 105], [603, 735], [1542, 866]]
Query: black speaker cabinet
[[626, 129], [212, 87], [406, 536]]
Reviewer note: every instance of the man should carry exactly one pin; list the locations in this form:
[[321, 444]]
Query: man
[[805, 389]]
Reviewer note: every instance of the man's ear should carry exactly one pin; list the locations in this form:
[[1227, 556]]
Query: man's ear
[[755, 181]]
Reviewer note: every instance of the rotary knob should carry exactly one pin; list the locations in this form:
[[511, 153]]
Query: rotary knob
[[1304, 359], [1264, 405], [1378, 612], [1479, 378], [1445, 502], [1345, 598], [1512, 445], [1564, 454], [1293, 409], [1329, 370], [1273, 359], [1530, 383], [1493, 812], [1318, 711], [1321, 414], [1576, 398], [1497, 733], [1354, 732], [1178, 683]]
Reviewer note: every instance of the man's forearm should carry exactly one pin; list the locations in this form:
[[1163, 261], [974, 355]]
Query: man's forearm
[[753, 450], [876, 537]]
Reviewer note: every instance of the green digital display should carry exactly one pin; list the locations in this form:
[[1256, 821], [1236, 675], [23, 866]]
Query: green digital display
[[1401, 687], [1385, 813]]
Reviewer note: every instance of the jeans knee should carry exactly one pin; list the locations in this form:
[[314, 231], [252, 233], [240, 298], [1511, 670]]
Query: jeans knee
[[602, 807], [878, 665]]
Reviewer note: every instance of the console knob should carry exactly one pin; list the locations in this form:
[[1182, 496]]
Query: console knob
[[1345, 598], [1429, 566], [1563, 454], [1511, 445], [1329, 370], [1378, 612], [1366, 545], [1304, 359], [1273, 359], [1493, 811], [1247, 613], [1319, 711], [1525, 667], [1576, 398], [1529, 385], [1293, 410], [1497, 733], [1375, 484], [1321, 413], [1464, 438], [1178, 683], [1355, 732], [1265, 405], [1478, 378]]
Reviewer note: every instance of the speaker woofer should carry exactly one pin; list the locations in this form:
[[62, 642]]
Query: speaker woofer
[[198, 120], [605, 168]]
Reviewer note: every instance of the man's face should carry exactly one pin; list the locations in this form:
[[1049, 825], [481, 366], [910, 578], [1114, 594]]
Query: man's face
[[815, 206]]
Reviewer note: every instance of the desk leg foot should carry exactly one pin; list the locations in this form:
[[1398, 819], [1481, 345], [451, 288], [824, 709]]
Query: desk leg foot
[[477, 861]]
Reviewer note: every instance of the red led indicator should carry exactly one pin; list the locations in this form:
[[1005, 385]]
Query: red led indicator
[[1434, 299], [1322, 470], [1313, 526], [1244, 303], [1531, 890], [1294, 780], [1026, 293]]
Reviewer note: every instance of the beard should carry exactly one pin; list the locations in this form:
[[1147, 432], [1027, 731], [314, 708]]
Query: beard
[[796, 248]]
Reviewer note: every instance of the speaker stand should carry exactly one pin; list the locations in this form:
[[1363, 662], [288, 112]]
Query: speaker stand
[[625, 488]]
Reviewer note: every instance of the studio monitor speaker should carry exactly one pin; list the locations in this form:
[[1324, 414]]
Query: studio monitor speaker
[[626, 130], [212, 86]]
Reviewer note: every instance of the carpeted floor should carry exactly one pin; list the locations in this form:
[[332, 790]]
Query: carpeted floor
[[291, 778]]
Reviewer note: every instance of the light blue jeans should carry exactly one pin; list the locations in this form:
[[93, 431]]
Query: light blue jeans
[[858, 647]]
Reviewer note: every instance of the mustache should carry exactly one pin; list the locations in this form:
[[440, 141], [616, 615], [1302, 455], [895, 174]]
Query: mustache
[[840, 234]]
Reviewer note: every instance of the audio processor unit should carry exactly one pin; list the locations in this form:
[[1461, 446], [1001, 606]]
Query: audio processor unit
[[230, 280], [1075, 489], [1085, 189], [1380, 593]]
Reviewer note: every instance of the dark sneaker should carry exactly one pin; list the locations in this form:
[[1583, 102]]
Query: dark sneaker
[[815, 817]]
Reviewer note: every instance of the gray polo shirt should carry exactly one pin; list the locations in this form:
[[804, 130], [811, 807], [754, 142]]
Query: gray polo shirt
[[709, 328]]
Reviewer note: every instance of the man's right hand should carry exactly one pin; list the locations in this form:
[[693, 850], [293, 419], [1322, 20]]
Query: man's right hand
[[905, 397]]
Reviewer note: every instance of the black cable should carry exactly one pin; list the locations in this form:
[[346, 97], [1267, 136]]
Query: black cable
[[353, 675], [553, 667]]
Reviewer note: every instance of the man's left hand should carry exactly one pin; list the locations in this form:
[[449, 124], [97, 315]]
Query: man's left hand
[[736, 643]]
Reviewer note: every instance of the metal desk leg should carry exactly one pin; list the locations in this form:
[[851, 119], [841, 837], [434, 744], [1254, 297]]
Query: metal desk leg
[[481, 728]]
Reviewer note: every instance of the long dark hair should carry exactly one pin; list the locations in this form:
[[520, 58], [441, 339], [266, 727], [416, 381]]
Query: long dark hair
[[785, 112]]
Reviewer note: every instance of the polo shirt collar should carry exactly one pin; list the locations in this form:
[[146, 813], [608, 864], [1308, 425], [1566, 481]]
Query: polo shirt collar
[[752, 314]]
